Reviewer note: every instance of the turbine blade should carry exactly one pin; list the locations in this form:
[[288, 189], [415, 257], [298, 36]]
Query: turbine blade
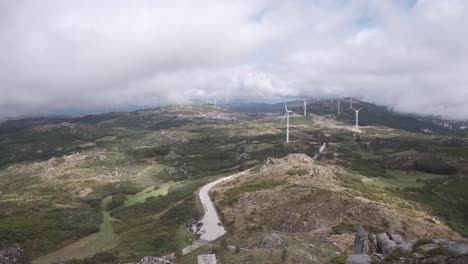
[[285, 107]]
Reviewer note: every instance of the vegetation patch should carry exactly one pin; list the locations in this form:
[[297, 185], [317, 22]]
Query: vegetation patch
[[343, 228], [46, 230]]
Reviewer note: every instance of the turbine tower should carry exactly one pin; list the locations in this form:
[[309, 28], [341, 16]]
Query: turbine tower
[[305, 107], [286, 116], [357, 118], [339, 104]]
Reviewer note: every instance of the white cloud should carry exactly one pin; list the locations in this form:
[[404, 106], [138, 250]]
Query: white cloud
[[83, 54]]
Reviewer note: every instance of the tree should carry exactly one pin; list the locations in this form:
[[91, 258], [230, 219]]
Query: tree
[[237, 251]]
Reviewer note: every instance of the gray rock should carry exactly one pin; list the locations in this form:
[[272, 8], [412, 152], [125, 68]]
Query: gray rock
[[361, 241], [397, 238], [358, 259], [384, 244], [207, 259], [271, 241], [13, 255], [154, 260]]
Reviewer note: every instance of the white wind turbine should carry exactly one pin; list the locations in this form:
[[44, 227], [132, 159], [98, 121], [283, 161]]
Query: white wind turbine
[[350, 103], [286, 116], [357, 118], [305, 107]]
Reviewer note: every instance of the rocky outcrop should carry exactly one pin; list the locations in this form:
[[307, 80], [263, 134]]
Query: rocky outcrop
[[271, 241], [358, 259], [361, 241], [154, 260], [13, 255], [184, 169], [384, 244]]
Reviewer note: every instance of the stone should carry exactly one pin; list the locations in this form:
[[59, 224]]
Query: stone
[[13, 255], [207, 259], [154, 260], [271, 241], [358, 259], [361, 241], [384, 244], [397, 238]]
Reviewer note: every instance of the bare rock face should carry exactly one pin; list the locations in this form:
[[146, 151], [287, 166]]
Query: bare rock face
[[271, 241], [13, 255], [358, 259], [361, 241]]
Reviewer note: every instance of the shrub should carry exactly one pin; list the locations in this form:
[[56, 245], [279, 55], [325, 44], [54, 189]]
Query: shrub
[[437, 251], [339, 260], [116, 201], [397, 254]]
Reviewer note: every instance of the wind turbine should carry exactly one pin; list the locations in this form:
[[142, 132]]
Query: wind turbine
[[357, 117], [286, 115], [305, 107], [350, 103]]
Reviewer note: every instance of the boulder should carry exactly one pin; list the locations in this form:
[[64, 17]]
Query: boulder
[[13, 255], [361, 241], [271, 241], [384, 244], [358, 259], [154, 260], [396, 238]]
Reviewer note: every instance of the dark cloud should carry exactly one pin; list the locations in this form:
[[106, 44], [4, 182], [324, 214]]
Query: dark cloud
[[90, 54]]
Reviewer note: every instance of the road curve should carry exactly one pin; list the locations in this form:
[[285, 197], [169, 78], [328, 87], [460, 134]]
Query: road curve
[[212, 226]]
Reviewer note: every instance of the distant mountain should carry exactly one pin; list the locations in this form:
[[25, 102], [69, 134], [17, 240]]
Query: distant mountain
[[370, 115]]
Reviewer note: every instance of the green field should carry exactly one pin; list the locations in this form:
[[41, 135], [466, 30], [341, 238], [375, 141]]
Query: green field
[[151, 191], [402, 179]]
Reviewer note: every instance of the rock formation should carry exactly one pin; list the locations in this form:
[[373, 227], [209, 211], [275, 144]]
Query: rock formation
[[361, 241], [271, 241]]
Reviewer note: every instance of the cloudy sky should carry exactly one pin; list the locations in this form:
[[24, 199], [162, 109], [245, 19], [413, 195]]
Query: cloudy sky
[[60, 56]]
